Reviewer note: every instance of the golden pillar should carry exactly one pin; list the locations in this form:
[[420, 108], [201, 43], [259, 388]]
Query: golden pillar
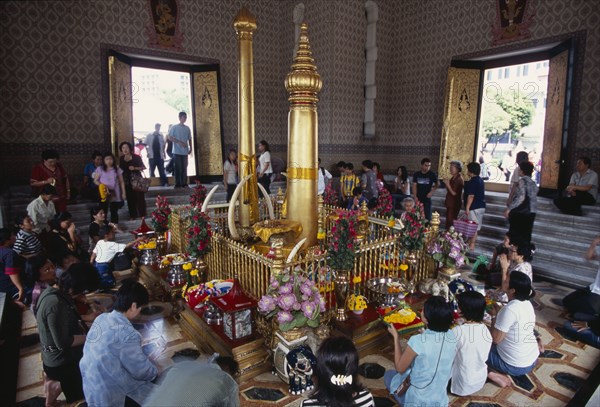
[[245, 25], [303, 84]]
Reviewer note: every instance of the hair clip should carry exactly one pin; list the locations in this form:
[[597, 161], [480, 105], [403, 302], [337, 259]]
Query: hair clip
[[340, 380]]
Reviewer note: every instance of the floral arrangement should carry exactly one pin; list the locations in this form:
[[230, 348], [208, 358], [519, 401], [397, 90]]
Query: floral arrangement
[[342, 244], [199, 233], [357, 302], [384, 206], [412, 236], [294, 299], [160, 216], [449, 249], [403, 316], [330, 196], [198, 195]]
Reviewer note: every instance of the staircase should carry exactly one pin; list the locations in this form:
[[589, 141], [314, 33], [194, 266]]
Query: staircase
[[561, 240]]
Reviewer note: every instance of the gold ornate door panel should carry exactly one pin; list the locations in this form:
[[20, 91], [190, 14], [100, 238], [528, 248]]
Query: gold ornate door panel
[[553, 126], [121, 99], [460, 118], [209, 151]]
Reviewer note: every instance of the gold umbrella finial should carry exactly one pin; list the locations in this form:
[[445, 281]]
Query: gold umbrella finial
[[244, 23], [303, 82]]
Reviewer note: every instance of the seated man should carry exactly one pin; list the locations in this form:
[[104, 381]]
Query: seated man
[[41, 210], [582, 189], [114, 366], [193, 383]]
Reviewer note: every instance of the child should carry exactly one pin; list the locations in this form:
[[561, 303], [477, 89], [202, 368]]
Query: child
[[105, 252], [501, 248], [28, 243], [10, 279], [357, 199], [469, 371], [111, 177]]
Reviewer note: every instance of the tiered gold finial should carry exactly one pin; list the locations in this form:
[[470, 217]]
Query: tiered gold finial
[[303, 82], [244, 24]]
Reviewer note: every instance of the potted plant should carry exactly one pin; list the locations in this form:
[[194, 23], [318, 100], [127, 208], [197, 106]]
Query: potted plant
[[198, 195], [198, 236], [415, 228]]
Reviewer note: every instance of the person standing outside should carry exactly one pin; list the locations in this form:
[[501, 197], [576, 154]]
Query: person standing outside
[[425, 183], [155, 145], [474, 200], [264, 166], [181, 136]]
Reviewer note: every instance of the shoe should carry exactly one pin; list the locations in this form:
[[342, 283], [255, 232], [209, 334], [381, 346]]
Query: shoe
[[557, 301]]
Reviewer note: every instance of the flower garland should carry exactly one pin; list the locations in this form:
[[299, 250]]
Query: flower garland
[[449, 249], [294, 299], [330, 196], [412, 236], [198, 195], [199, 233], [384, 206], [160, 216], [342, 244]]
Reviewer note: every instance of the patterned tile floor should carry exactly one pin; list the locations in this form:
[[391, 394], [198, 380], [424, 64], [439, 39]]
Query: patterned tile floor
[[561, 370]]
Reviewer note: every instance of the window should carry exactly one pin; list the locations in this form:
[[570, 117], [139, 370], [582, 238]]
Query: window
[[489, 75], [506, 73], [525, 70]]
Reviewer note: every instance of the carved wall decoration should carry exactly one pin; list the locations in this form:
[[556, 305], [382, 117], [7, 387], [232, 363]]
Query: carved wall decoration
[[513, 21], [207, 123], [163, 29]]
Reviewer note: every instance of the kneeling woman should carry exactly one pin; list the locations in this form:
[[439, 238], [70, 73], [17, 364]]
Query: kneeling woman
[[424, 368], [514, 350]]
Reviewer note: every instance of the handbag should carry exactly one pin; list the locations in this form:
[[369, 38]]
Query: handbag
[[139, 182], [467, 227]]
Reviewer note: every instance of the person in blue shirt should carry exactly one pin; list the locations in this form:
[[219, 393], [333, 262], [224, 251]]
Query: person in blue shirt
[[425, 183], [423, 369], [474, 196], [357, 200], [89, 189], [114, 367], [181, 136]]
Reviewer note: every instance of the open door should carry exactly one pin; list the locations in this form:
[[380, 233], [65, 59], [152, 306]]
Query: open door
[[207, 119], [459, 129], [554, 126], [121, 99]]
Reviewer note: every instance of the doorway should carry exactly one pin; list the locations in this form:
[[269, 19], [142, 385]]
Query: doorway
[[159, 95], [512, 119]]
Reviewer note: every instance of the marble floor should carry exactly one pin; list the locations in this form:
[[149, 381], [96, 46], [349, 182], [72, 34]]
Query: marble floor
[[561, 370]]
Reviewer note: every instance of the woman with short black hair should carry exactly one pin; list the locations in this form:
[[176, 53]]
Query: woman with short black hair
[[423, 369], [132, 166], [62, 240], [337, 382], [522, 204]]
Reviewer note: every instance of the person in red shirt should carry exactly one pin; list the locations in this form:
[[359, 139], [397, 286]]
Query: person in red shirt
[[51, 172]]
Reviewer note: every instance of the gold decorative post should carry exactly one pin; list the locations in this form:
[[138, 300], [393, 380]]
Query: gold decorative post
[[303, 84], [245, 25]]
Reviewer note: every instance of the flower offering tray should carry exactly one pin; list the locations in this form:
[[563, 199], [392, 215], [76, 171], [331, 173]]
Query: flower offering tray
[[390, 291], [403, 329]]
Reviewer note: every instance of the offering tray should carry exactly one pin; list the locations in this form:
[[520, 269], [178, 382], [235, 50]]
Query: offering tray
[[390, 291]]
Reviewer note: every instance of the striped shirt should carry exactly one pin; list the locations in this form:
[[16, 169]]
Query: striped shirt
[[27, 243], [363, 399]]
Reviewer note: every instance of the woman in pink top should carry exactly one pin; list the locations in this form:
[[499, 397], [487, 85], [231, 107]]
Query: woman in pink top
[[111, 176]]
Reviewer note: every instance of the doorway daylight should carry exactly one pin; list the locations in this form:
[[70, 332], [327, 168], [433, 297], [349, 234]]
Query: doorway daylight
[[158, 97], [513, 111]]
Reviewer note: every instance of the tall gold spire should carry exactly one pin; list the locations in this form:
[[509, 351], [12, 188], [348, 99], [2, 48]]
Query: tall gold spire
[[303, 84], [245, 25]]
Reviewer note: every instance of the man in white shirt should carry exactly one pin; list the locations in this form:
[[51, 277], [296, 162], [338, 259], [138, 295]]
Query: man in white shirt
[[324, 178], [42, 209], [181, 136], [582, 189]]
